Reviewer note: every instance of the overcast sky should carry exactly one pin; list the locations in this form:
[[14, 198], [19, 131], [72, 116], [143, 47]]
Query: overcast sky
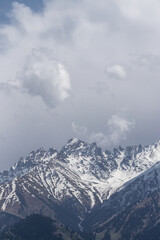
[[78, 68]]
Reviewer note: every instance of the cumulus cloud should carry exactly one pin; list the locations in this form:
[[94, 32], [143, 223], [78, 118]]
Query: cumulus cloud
[[45, 77], [33, 66], [117, 128], [116, 71]]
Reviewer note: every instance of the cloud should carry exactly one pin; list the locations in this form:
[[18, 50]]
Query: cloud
[[101, 87], [116, 71], [42, 76], [79, 130], [33, 66], [45, 77], [100, 138], [83, 132], [140, 11], [118, 128], [58, 55]]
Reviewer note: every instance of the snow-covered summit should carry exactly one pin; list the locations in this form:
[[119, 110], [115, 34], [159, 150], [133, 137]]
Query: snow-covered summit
[[80, 175], [78, 147], [90, 161], [25, 164]]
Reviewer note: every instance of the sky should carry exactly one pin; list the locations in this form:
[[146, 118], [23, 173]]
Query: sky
[[75, 68]]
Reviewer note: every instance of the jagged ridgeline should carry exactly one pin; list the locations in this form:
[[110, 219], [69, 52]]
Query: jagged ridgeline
[[81, 186]]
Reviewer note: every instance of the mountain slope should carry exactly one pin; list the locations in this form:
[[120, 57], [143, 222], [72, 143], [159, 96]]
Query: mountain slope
[[129, 194], [138, 222], [7, 220], [67, 185], [38, 227]]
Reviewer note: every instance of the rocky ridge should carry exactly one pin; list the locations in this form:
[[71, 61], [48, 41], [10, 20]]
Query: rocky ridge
[[69, 185]]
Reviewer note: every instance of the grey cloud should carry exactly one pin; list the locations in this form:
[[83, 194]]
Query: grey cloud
[[86, 36], [79, 130], [83, 133], [101, 87], [116, 71], [118, 128]]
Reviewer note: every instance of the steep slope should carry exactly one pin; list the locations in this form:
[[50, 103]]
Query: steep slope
[[38, 227], [67, 185], [138, 222], [24, 165], [132, 210], [7, 220]]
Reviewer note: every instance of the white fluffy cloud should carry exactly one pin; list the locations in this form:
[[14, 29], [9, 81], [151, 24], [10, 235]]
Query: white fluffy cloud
[[30, 58], [42, 76], [45, 77]]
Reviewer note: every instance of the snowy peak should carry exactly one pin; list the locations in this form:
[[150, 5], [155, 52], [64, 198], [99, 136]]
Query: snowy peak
[[24, 165], [135, 158], [90, 161], [86, 159], [81, 148], [40, 154], [78, 177]]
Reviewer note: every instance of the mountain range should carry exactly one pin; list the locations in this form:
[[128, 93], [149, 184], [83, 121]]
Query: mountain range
[[85, 188]]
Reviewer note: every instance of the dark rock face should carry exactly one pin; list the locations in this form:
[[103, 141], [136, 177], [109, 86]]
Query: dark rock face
[[7, 220], [138, 222], [131, 194], [38, 227]]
